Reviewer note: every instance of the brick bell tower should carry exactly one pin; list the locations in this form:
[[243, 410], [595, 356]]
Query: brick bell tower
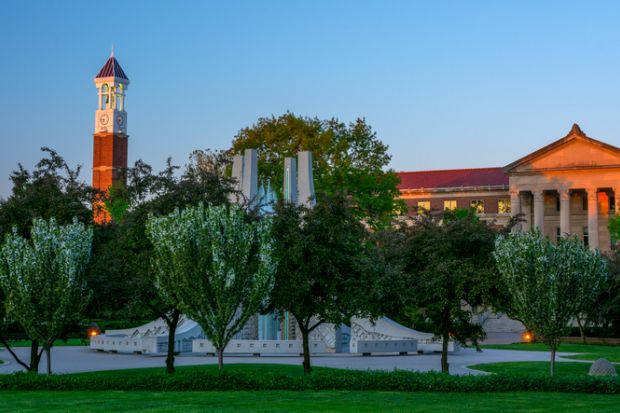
[[110, 137]]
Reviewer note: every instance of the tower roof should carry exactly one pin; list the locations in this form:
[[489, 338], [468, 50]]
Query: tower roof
[[112, 68]]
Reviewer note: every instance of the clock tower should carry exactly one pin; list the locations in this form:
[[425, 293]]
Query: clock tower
[[110, 137]]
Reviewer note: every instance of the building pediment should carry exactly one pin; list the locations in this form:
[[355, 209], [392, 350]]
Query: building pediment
[[574, 151]]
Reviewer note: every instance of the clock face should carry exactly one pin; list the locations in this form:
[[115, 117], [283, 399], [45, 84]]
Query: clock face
[[104, 119], [120, 120]]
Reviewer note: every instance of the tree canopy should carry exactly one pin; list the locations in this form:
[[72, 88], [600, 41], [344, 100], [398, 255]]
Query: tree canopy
[[323, 265], [549, 283], [347, 158], [52, 190], [119, 272], [43, 279], [215, 265], [448, 262]]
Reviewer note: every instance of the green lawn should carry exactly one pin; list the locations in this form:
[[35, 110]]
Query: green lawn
[[589, 351], [273, 369], [285, 401], [533, 368], [57, 343]]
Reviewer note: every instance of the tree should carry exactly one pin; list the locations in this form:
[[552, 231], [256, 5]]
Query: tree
[[215, 265], [606, 310], [449, 268], [346, 158], [128, 288], [43, 279], [323, 265], [52, 190], [548, 282]]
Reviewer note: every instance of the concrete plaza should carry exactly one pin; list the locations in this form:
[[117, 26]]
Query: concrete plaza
[[83, 359]]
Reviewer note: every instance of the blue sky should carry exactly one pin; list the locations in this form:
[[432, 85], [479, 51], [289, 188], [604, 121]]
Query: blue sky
[[447, 84]]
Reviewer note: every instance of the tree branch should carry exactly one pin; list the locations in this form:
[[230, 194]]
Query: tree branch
[[17, 359]]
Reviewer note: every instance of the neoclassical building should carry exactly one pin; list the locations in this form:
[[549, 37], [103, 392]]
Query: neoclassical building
[[569, 187]]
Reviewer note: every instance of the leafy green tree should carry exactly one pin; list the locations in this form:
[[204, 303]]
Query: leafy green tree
[[449, 271], [126, 289], [548, 282], [606, 310], [52, 190], [323, 265], [215, 265], [43, 278], [346, 158]]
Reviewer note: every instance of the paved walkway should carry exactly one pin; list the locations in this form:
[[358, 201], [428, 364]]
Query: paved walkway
[[81, 359]]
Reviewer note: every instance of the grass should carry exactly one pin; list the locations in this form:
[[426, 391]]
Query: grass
[[534, 368], [273, 369], [587, 351], [57, 343], [311, 401]]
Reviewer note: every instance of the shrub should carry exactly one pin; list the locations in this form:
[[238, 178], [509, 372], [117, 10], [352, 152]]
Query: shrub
[[197, 380]]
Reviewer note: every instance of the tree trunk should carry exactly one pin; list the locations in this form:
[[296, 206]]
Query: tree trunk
[[445, 367], [48, 354], [220, 359], [35, 357], [552, 363], [582, 329], [305, 335], [172, 329]]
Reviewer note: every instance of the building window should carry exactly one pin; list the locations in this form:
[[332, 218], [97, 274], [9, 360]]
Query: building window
[[558, 234], [477, 205], [503, 206], [584, 202], [449, 204], [557, 203], [586, 238], [424, 205]]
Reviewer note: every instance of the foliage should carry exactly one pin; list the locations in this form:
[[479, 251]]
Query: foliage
[[549, 283], [52, 190], [43, 279], [208, 379], [323, 264], [347, 158], [214, 265], [448, 266], [119, 273], [605, 311]]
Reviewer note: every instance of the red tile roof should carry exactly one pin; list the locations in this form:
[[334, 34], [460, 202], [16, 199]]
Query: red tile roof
[[452, 178], [112, 68]]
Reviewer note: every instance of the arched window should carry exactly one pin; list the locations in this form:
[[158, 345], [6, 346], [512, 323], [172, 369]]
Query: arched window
[[105, 97], [119, 96]]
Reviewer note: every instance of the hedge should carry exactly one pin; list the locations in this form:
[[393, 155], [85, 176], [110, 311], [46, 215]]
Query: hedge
[[323, 380]]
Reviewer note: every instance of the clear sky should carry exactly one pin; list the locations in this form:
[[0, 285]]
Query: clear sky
[[446, 84]]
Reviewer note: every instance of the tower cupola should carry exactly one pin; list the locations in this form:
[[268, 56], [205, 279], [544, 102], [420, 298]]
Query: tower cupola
[[111, 83]]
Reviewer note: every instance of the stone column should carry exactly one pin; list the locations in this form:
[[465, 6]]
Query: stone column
[[526, 209], [539, 209], [515, 206], [564, 212], [616, 200], [592, 218]]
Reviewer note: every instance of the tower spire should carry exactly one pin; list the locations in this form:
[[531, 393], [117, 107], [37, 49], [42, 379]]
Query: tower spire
[[112, 53]]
